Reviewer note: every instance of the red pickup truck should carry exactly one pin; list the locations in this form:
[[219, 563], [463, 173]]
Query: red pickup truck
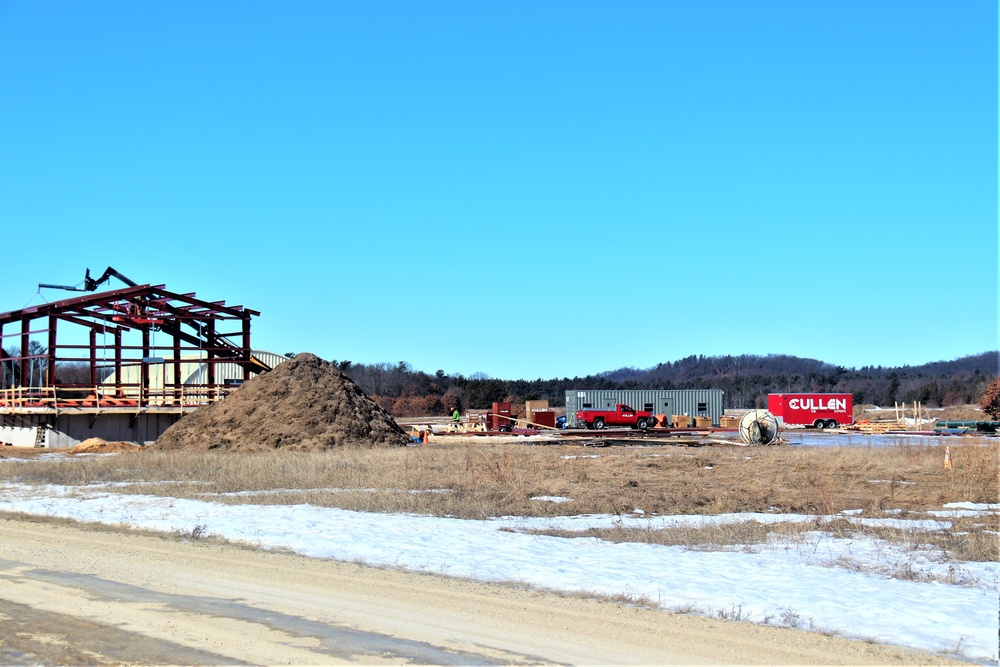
[[621, 415]]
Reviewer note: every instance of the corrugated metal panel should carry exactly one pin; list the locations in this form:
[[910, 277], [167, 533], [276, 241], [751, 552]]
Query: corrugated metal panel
[[192, 370], [235, 371], [694, 402]]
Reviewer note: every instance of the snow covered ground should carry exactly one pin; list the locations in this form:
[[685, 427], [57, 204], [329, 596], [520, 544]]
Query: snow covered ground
[[822, 583]]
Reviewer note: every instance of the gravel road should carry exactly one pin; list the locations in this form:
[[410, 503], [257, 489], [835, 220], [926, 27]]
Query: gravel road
[[76, 595]]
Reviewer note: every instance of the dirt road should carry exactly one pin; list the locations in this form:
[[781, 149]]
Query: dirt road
[[70, 595]]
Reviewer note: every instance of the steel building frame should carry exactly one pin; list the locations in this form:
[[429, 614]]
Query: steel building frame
[[195, 328]]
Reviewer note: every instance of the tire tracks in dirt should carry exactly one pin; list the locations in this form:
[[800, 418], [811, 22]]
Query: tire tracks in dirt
[[89, 595]]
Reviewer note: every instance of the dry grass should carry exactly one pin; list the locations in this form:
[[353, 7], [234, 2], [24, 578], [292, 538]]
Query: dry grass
[[483, 479], [968, 539], [709, 537]]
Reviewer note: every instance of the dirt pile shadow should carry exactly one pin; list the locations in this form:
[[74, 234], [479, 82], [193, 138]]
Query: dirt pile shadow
[[305, 403]]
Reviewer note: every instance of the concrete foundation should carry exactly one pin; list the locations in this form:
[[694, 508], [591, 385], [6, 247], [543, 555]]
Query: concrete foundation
[[62, 431]]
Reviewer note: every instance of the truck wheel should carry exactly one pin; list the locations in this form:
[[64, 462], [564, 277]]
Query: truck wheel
[[820, 424], [641, 424], [831, 423], [598, 423]]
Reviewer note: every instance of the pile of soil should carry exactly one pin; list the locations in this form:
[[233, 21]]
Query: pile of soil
[[98, 445], [304, 404]]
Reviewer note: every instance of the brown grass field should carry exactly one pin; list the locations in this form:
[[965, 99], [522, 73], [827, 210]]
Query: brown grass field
[[481, 479]]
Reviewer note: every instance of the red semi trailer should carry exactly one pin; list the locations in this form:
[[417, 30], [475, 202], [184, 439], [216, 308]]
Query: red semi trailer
[[818, 410]]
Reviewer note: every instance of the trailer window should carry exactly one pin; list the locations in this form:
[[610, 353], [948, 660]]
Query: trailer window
[[588, 405], [648, 407], [703, 407]]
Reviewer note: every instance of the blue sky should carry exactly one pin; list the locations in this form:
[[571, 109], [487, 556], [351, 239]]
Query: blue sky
[[525, 189]]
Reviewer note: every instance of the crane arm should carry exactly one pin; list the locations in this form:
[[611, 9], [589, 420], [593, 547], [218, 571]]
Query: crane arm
[[90, 284]]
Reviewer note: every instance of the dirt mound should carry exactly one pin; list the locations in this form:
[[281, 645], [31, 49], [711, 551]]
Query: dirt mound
[[305, 403], [97, 445]]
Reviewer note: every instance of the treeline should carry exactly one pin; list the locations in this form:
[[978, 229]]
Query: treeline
[[748, 379], [745, 379]]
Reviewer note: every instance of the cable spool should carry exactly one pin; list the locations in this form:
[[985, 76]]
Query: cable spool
[[759, 427]]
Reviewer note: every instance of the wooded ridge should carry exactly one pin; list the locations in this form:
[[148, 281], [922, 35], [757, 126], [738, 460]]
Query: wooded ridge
[[745, 379]]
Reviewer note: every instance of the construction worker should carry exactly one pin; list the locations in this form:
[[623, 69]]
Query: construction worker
[[456, 416]]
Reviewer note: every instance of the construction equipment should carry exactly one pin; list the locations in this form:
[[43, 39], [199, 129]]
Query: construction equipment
[[90, 284]]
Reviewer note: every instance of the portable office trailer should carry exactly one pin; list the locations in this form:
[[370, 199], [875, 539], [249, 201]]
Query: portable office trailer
[[692, 402]]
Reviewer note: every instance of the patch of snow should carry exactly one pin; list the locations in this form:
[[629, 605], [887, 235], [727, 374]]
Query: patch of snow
[[983, 507], [955, 514], [853, 587], [553, 499]]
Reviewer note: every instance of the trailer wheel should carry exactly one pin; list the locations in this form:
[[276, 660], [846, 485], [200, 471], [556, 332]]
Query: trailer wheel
[[831, 423], [599, 423], [820, 424], [641, 424]]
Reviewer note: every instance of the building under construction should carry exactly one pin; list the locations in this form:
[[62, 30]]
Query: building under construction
[[122, 364]]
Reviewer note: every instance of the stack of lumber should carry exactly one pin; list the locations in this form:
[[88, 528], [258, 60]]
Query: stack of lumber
[[879, 427]]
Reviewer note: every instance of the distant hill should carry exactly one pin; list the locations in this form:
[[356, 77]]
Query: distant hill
[[985, 363], [745, 379], [699, 367], [786, 365]]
